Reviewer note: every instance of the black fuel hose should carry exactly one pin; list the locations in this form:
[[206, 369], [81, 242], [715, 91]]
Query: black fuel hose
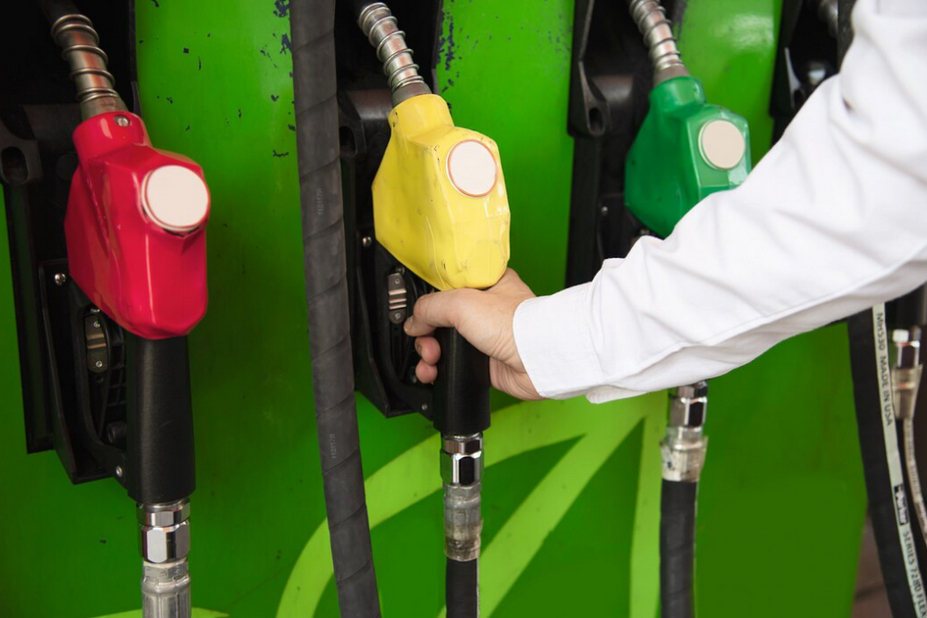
[[358, 6], [56, 9], [882, 464], [461, 408], [883, 467], [312, 33], [677, 549], [462, 589]]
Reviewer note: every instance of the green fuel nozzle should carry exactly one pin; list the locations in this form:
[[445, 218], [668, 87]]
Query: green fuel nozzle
[[686, 150]]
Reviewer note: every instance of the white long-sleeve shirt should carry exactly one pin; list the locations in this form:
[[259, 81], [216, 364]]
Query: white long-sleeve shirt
[[833, 220]]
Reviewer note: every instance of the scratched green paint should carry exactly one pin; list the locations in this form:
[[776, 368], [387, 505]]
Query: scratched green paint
[[782, 497]]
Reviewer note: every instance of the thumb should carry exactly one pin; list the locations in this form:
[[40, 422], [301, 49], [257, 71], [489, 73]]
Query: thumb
[[440, 309]]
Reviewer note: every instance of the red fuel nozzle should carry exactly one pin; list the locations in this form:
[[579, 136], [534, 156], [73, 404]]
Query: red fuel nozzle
[[136, 228]]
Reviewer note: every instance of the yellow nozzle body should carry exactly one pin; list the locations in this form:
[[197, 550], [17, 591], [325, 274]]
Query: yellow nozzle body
[[439, 200]]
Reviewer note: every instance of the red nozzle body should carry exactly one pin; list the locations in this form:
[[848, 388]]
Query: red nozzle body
[[136, 228]]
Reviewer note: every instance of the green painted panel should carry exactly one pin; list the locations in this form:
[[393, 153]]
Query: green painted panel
[[215, 85], [562, 563], [730, 45], [504, 68]]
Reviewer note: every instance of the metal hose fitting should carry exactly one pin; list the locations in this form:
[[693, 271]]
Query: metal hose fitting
[[80, 46], [382, 30], [165, 544], [166, 590], [906, 379], [683, 447], [462, 473], [658, 36], [828, 12], [906, 374]]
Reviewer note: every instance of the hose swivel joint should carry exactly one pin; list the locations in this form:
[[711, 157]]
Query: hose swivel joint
[[80, 46], [683, 447], [165, 531], [462, 473], [906, 374], [382, 30], [658, 36], [165, 544]]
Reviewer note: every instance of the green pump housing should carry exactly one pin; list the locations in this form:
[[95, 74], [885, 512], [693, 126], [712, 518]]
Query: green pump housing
[[686, 150]]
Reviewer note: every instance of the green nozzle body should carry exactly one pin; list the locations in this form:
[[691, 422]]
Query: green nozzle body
[[686, 150]]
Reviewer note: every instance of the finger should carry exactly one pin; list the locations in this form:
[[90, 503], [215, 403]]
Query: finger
[[417, 328], [426, 373], [441, 309], [429, 349]]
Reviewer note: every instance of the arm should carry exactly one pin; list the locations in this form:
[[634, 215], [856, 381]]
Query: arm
[[832, 220]]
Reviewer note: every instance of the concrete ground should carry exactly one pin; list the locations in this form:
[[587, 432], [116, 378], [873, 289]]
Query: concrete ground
[[871, 601]]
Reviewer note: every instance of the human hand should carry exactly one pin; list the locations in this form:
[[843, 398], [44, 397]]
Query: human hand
[[482, 317]]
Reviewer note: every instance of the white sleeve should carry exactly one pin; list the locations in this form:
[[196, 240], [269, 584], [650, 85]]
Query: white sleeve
[[832, 221]]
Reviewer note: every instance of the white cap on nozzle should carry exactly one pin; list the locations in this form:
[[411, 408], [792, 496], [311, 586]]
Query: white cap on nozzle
[[175, 198], [471, 167], [722, 144]]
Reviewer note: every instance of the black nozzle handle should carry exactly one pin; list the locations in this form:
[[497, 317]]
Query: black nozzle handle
[[461, 395], [159, 457]]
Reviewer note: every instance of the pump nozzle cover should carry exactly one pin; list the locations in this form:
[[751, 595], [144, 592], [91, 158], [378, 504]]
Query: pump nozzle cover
[[439, 200]]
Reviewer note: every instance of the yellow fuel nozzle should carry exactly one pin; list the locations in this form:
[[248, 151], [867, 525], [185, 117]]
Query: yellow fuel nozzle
[[439, 200]]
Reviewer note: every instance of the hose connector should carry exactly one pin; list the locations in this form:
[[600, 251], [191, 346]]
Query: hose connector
[[462, 473], [906, 374], [658, 35], [382, 30], [80, 45], [165, 531], [165, 544], [684, 446]]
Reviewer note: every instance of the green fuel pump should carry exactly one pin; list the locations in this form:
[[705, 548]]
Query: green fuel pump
[[686, 150]]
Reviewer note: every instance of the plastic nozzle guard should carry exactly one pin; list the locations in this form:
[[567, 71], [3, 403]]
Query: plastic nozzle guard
[[439, 200], [135, 228], [686, 150]]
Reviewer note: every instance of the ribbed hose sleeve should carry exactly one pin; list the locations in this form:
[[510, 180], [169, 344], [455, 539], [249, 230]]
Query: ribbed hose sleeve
[[312, 33], [463, 589], [677, 549]]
